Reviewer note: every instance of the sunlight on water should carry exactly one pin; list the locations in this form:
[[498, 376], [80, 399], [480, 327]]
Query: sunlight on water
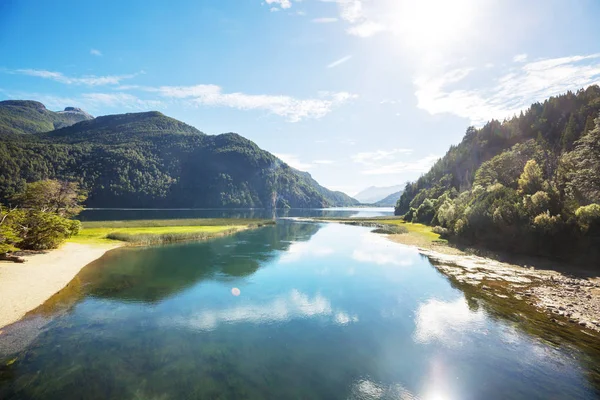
[[298, 310]]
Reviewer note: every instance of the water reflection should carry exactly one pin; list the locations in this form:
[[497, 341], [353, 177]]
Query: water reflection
[[324, 311], [378, 250], [144, 214], [285, 308], [447, 322]]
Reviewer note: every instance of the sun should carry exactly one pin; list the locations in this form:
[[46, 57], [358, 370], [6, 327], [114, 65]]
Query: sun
[[433, 23]]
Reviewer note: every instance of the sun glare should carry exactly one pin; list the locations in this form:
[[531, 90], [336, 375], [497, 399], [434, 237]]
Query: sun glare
[[432, 23]]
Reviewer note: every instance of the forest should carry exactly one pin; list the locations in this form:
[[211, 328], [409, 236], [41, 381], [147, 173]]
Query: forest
[[529, 184], [148, 160]]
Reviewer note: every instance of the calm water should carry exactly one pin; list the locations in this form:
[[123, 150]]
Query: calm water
[[138, 214], [324, 312]]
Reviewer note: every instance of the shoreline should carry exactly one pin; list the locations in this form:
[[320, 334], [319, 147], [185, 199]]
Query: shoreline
[[564, 295], [26, 286], [565, 299]]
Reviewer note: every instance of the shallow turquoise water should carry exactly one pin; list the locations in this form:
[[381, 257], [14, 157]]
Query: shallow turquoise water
[[324, 312]]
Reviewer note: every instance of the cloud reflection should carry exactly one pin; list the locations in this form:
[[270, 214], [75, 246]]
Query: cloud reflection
[[298, 250], [294, 305], [376, 249], [446, 322]]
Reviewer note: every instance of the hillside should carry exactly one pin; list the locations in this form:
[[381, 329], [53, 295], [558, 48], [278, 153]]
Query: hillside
[[374, 194], [26, 117], [530, 184], [149, 160], [389, 201]]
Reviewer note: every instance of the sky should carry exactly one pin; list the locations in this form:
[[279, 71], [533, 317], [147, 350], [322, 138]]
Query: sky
[[357, 92]]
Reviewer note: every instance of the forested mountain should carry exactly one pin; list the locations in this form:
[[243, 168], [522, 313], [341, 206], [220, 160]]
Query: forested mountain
[[26, 116], [528, 184], [373, 194], [389, 201], [151, 160]]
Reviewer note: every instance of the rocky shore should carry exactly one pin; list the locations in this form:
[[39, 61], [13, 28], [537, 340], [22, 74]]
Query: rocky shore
[[565, 299]]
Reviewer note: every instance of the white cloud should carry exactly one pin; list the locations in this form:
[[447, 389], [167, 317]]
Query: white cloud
[[324, 20], [88, 80], [282, 3], [339, 62], [366, 29], [520, 58], [507, 94], [420, 165], [372, 157], [293, 109], [118, 100], [323, 162], [293, 161], [96, 52], [274, 9]]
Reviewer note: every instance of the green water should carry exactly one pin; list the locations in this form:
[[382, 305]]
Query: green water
[[324, 312]]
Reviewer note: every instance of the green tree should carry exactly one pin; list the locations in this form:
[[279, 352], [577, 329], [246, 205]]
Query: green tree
[[532, 179], [585, 177], [570, 134], [59, 197], [46, 230], [9, 229]]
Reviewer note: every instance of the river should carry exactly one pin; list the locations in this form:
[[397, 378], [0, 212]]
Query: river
[[297, 310]]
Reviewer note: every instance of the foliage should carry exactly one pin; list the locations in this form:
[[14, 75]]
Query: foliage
[[46, 230], [9, 229], [41, 220], [148, 160], [26, 117], [530, 184], [59, 197]]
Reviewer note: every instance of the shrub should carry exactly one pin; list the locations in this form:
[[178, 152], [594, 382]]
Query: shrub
[[588, 216]]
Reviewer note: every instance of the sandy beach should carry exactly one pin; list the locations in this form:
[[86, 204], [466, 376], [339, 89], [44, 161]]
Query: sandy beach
[[23, 287]]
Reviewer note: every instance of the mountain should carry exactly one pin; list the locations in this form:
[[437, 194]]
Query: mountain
[[373, 194], [149, 160], [26, 117], [389, 201], [529, 184]]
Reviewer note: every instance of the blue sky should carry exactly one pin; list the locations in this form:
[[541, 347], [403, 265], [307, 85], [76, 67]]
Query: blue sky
[[357, 92]]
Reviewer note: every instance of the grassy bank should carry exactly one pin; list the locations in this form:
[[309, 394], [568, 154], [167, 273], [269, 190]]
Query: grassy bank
[[400, 231], [147, 232]]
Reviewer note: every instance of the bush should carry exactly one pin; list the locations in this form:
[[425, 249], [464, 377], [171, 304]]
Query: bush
[[588, 216], [43, 230], [444, 232], [548, 224]]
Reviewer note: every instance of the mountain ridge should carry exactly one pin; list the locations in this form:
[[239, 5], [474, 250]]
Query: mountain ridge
[[151, 160]]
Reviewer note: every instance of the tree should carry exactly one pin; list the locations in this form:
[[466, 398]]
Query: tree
[[570, 134], [585, 177], [532, 179], [9, 229], [59, 197], [46, 230]]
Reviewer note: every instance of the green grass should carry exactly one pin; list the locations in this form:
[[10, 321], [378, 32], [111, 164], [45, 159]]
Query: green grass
[[160, 231], [423, 232]]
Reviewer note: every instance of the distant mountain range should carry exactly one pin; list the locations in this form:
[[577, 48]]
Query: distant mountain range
[[389, 201], [147, 160], [374, 194]]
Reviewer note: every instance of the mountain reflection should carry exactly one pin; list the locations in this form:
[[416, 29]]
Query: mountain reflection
[[153, 274]]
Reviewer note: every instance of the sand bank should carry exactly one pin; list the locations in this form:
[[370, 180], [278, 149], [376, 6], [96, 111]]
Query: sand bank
[[23, 287]]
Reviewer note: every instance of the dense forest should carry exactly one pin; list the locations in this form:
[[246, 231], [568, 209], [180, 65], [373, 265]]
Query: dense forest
[[23, 117], [529, 184], [149, 160]]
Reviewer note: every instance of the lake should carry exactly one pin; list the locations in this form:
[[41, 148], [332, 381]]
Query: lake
[[292, 311], [108, 214]]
